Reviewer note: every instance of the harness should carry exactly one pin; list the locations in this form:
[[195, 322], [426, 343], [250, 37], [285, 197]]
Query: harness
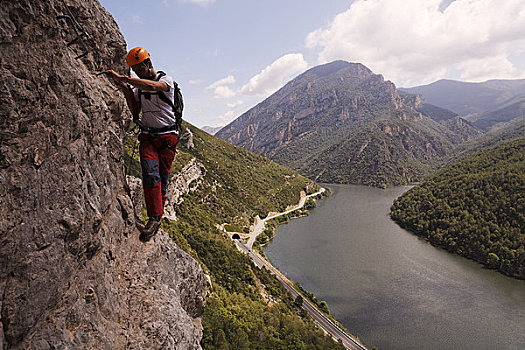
[[154, 133]]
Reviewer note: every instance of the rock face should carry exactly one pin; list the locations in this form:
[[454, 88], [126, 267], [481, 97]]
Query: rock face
[[73, 274], [340, 122]]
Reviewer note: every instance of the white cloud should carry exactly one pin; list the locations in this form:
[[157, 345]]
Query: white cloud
[[416, 41], [220, 90], [275, 75], [194, 81], [230, 79], [495, 67], [226, 118], [235, 104], [223, 92]]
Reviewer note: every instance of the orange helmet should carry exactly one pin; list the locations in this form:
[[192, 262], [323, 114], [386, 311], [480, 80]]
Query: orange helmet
[[136, 55]]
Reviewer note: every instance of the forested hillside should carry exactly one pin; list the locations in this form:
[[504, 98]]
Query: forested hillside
[[508, 132], [248, 308], [474, 207]]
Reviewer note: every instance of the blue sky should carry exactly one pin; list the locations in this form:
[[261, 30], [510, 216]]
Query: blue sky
[[228, 55]]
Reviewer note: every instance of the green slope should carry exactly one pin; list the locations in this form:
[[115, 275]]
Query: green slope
[[381, 153], [474, 207], [239, 185], [513, 109]]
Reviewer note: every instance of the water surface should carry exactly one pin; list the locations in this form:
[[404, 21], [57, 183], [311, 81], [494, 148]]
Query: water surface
[[392, 289]]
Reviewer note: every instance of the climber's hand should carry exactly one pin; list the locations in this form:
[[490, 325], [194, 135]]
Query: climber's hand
[[120, 85], [117, 79]]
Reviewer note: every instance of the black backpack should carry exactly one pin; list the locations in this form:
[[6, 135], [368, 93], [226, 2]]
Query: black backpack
[[177, 104]]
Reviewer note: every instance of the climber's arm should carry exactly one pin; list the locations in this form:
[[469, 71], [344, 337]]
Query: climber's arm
[[133, 105]]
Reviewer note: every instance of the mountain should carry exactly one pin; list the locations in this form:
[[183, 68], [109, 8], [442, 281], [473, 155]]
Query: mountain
[[466, 98], [212, 130], [509, 131], [340, 122], [513, 109], [474, 207], [73, 273], [460, 126]]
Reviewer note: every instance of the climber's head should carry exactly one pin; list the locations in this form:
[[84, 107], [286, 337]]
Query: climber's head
[[139, 60], [136, 55]]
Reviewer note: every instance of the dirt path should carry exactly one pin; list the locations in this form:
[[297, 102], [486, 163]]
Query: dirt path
[[259, 224]]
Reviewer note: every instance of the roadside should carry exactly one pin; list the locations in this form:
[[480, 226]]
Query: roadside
[[327, 325], [259, 224]]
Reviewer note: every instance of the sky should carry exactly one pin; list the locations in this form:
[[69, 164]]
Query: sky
[[229, 55]]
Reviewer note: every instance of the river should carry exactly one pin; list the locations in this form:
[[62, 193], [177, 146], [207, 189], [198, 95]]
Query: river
[[390, 288]]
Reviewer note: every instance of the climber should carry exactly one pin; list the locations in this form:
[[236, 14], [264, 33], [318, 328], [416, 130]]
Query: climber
[[154, 94]]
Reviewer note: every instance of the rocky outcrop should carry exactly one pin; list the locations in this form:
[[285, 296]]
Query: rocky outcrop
[[188, 179], [73, 273]]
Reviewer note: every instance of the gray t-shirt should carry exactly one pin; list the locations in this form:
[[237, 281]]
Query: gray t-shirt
[[155, 112]]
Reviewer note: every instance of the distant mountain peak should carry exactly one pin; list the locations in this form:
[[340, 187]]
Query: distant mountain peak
[[335, 66], [468, 98]]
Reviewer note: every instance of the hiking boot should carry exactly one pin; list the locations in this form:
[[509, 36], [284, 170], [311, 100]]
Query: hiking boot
[[150, 229]]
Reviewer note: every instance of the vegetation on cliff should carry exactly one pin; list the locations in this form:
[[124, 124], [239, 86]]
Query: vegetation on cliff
[[474, 207], [248, 307]]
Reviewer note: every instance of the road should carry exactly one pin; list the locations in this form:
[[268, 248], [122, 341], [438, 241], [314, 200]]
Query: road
[[327, 325], [258, 226]]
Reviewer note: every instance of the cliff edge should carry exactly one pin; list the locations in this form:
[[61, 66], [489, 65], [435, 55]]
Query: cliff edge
[[73, 273]]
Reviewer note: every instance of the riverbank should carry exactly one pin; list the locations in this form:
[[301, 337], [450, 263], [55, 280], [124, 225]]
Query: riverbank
[[388, 286], [329, 325], [259, 225]]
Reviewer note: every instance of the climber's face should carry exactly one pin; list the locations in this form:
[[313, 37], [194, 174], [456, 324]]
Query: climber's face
[[143, 69]]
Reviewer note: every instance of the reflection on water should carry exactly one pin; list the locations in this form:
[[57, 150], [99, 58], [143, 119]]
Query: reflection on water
[[389, 287]]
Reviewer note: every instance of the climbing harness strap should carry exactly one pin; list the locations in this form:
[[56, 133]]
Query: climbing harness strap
[[153, 134]]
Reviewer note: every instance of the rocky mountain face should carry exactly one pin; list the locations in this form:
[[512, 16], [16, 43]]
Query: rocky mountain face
[[340, 122], [73, 273]]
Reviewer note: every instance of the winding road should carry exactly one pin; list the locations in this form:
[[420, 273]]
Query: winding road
[[259, 224], [326, 324]]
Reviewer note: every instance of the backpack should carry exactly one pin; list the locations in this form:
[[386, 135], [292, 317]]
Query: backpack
[[177, 105]]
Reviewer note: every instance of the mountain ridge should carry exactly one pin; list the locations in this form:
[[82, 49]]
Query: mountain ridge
[[467, 98], [310, 117]]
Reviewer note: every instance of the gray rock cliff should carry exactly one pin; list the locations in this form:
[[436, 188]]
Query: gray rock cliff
[[73, 273]]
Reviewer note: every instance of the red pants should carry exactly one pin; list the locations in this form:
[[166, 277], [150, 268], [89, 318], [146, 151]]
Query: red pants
[[156, 159]]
